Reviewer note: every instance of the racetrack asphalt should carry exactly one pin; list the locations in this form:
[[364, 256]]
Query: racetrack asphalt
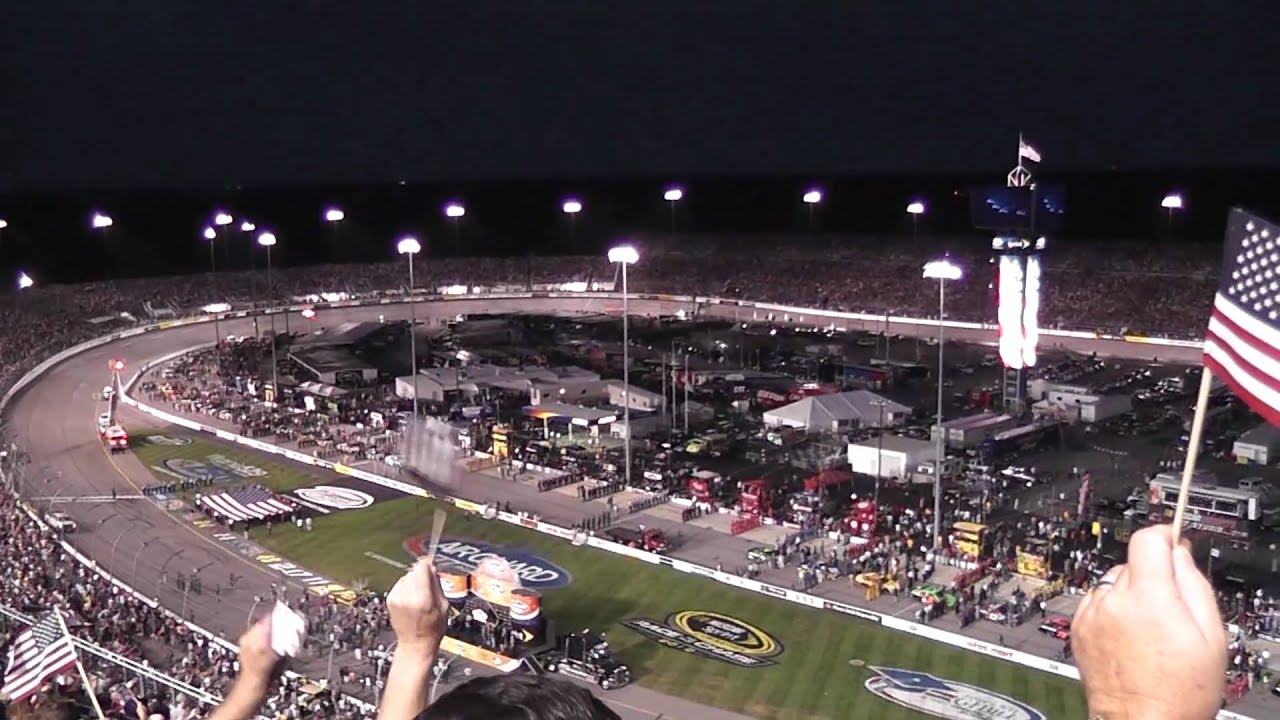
[[141, 543]]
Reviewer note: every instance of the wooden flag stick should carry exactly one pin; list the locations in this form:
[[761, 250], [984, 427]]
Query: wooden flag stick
[[1193, 450], [84, 676]]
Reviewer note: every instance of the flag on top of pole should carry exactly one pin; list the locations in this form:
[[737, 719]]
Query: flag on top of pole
[[1026, 151], [36, 653], [1242, 345]]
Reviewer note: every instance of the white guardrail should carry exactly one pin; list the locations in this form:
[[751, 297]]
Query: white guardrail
[[889, 621]]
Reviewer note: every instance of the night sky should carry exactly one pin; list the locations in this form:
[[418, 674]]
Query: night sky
[[212, 102]]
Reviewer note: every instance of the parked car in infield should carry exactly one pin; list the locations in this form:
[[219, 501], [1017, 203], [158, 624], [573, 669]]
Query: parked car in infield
[[1058, 627]]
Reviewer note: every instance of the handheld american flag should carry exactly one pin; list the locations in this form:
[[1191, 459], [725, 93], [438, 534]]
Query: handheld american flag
[[38, 652], [1242, 345]]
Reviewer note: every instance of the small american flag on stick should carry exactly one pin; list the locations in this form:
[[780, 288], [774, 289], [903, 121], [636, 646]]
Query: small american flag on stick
[[38, 652], [1242, 346]]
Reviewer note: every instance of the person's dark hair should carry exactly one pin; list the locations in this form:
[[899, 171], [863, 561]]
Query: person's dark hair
[[518, 697]]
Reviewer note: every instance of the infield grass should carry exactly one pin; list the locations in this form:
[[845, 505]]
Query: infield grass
[[280, 476], [813, 678]]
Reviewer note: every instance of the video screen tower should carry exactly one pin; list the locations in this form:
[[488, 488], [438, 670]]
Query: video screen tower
[[1018, 213]]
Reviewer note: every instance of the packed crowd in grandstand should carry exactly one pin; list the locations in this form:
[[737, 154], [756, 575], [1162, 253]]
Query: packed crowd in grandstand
[[1157, 293]]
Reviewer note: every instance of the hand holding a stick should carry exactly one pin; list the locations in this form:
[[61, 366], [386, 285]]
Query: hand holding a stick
[[419, 610], [1149, 639]]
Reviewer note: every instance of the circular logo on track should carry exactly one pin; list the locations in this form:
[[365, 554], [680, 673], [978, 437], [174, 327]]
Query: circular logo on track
[[338, 498], [726, 632], [167, 440]]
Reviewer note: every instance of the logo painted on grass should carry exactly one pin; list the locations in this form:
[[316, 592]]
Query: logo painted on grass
[[338, 498], [535, 572], [217, 468], [168, 440], [947, 699], [713, 636]]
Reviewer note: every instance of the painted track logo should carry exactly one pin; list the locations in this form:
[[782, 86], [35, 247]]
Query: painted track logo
[[337, 498], [535, 572], [713, 636], [946, 699]]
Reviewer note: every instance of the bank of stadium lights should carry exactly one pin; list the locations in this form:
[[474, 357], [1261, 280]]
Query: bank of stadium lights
[[571, 207], [267, 239], [247, 227], [222, 219], [3, 224], [25, 281], [334, 215], [453, 211], [100, 221], [210, 234], [942, 271]]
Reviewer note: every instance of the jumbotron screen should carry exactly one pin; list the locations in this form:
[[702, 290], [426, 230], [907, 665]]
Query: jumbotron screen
[[1001, 208], [1018, 287]]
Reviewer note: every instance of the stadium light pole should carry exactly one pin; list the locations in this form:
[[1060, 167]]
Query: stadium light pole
[[942, 271], [409, 246], [673, 195], [212, 235], [103, 222], [625, 255], [268, 240], [220, 220], [572, 207], [812, 198], [915, 209], [455, 212], [1171, 203], [334, 216], [247, 228]]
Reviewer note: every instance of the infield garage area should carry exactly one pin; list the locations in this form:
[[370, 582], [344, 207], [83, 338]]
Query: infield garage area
[[811, 677]]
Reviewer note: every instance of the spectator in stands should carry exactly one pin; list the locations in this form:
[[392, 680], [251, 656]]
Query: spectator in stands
[[259, 666]]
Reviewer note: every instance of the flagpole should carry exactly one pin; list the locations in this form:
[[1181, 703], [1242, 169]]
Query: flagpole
[[1193, 450], [84, 676]]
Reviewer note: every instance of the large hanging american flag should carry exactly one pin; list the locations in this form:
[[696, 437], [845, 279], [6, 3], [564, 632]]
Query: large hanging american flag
[[38, 652], [1242, 346]]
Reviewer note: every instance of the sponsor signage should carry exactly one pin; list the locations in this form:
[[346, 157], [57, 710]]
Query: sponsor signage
[[851, 610], [215, 467], [335, 498], [534, 571], [947, 699], [167, 440], [713, 636]]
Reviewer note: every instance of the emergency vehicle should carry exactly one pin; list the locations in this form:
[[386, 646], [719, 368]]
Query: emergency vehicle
[[116, 439]]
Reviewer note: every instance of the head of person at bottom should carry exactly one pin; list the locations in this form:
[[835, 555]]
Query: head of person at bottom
[[518, 697]]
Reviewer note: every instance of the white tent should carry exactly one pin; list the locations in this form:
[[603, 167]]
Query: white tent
[[832, 413]]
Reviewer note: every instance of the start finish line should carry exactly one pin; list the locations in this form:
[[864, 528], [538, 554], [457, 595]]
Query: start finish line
[[60, 499]]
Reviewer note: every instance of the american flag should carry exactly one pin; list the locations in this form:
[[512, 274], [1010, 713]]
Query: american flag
[[1242, 346], [1026, 151], [38, 652]]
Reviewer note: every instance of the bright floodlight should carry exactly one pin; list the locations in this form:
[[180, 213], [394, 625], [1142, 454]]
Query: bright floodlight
[[25, 281], [1172, 201], [334, 215], [915, 208], [117, 365], [100, 221], [409, 246], [454, 210], [308, 313], [942, 270], [674, 194], [624, 254], [3, 224], [572, 207], [221, 219], [813, 197], [267, 239], [247, 226], [210, 233]]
